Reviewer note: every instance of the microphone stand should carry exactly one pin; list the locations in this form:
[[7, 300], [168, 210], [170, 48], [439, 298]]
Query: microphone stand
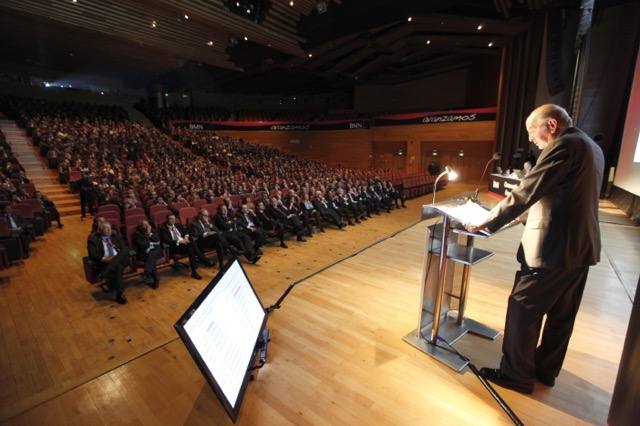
[[435, 185], [486, 167]]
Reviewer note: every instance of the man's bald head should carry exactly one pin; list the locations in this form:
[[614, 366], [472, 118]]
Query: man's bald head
[[545, 124], [556, 112]]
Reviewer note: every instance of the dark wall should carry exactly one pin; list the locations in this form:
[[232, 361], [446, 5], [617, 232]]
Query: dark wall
[[482, 82], [614, 43]]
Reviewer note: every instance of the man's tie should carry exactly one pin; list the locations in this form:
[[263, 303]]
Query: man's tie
[[110, 250], [174, 233]]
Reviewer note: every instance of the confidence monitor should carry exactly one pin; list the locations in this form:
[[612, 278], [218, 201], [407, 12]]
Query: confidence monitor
[[221, 330]]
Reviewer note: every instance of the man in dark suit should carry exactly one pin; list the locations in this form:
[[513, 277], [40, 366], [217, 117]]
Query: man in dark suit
[[19, 227], [176, 237], [290, 220], [561, 240], [146, 242], [251, 224], [234, 234], [110, 253], [327, 213], [203, 235], [269, 223]]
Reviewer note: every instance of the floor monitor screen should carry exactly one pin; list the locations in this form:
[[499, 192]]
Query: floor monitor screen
[[221, 330]]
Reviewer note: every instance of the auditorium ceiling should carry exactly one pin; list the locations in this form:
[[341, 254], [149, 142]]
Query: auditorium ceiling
[[279, 44]]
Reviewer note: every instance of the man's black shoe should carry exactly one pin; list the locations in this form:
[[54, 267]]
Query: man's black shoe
[[209, 263], [254, 259], [283, 245], [496, 376], [301, 239], [545, 380], [121, 299], [196, 275]]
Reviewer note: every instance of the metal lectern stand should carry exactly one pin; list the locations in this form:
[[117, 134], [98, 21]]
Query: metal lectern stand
[[446, 261]]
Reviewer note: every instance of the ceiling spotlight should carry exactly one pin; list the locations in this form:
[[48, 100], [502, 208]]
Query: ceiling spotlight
[[428, 42], [248, 11], [410, 18], [291, 3], [186, 16], [490, 44], [479, 27], [154, 24], [245, 38], [237, 4], [210, 43], [102, 93], [74, 1], [311, 55]]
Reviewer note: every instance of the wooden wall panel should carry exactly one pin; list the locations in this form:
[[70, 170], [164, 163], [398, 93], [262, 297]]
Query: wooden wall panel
[[375, 147]]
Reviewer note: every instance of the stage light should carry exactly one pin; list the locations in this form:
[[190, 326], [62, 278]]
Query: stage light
[[74, 1], [47, 84], [210, 43], [186, 16], [248, 11], [479, 27], [410, 18], [246, 38], [237, 4], [452, 175], [428, 42], [490, 44], [154, 24], [102, 93], [291, 3], [311, 55]]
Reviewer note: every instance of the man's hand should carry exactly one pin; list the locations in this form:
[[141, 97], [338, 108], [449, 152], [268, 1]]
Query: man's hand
[[474, 229]]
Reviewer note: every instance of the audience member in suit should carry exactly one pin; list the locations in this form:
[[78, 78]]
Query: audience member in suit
[[269, 223], [86, 194], [288, 219], [235, 235], [110, 253], [174, 235], [397, 194], [310, 212], [146, 242], [294, 207], [49, 207], [352, 209], [250, 222], [328, 214], [338, 207], [203, 235], [383, 202], [19, 226]]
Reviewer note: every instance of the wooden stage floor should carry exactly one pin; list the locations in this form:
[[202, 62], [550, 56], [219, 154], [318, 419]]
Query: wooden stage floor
[[68, 356]]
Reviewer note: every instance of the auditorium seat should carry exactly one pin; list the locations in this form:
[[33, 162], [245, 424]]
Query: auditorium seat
[[187, 215]]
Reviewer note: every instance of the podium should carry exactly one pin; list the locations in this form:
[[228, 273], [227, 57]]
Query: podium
[[449, 254]]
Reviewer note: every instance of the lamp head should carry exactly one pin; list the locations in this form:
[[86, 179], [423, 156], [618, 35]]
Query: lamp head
[[451, 174]]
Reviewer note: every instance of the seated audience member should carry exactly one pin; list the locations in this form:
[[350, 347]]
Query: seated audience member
[[288, 219], [352, 209], [175, 236], [204, 235], [110, 253], [269, 223], [19, 226], [310, 213], [49, 207], [397, 197], [235, 235], [328, 214], [336, 205], [146, 242], [250, 222]]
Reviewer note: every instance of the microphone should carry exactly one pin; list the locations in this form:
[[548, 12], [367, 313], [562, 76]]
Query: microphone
[[495, 157]]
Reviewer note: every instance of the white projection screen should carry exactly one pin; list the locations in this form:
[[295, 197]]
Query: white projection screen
[[628, 169], [221, 330]]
